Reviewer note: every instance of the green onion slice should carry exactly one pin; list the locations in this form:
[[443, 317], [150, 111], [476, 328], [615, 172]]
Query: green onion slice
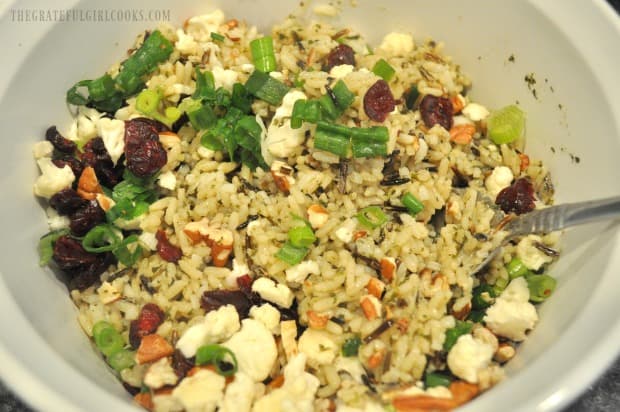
[[413, 205], [147, 101], [351, 346], [433, 379], [122, 359], [541, 287], [219, 356], [482, 297], [506, 125], [217, 36], [265, 87], [263, 55], [107, 338], [301, 236], [372, 217], [291, 254], [46, 245], [383, 69], [452, 334], [516, 268]]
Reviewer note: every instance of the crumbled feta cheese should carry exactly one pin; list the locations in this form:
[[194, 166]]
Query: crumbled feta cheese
[[271, 291], [201, 27], [301, 271], [52, 179], [282, 140], [247, 68], [224, 78], [186, 44], [468, 356], [500, 178], [398, 44], [253, 339], [112, 133], [238, 270], [160, 374], [296, 394], [267, 315], [217, 326], [42, 149], [352, 366], [108, 293], [319, 346], [167, 180], [340, 71], [84, 127], [276, 75], [201, 392], [532, 257], [475, 112], [56, 221], [345, 232], [512, 314], [239, 394]]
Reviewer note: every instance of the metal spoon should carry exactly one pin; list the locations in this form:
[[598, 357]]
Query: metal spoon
[[555, 218]]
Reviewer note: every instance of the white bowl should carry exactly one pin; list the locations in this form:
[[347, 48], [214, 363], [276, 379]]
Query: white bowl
[[571, 47]]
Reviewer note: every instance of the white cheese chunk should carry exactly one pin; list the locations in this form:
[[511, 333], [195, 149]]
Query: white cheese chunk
[[239, 394], [53, 179], [532, 257], [56, 221], [112, 133], [475, 112], [255, 349], [340, 71], [167, 180], [468, 356], [267, 315], [398, 44], [160, 374], [512, 314], [201, 392], [224, 78], [217, 326], [271, 291], [319, 346], [281, 140], [301, 271], [201, 27], [345, 232], [42, 149], [500, 178], [186, 43]]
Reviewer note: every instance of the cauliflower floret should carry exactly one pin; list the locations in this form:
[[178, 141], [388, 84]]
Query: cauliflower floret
[[296, 394], [253, 339], [319, 346], [217, 325], [267, 315], [112, 133], [468, 356], [271, 291], [398, 44], [239, 394], [532, 257], [499, 179], [201, 392], [282, 140], [53, 178], [42, 149], [301, 271], [160, 374], [475, 112], [512, 314]]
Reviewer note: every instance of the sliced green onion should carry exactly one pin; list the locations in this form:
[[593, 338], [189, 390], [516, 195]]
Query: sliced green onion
[[241, 98], [433, 379], [351, 346], [147, 101], [205, 86], [301, 236], [291, 254], [541, 287], [413, 205], [305, 111], [344, 97], [335, 143], [372, 217], [383, 69], [328, 107], [202, 118], [126, 256], [262, 54], [265, 87], [46, 245], [107, 338], [453, 334], [122, 359], [516, 268], [375, 134], [500, 285], [411, 97], [506, 125], [217, 37], [102, 238], [482, 296], [219, 356], [364, 149], [476, 316]]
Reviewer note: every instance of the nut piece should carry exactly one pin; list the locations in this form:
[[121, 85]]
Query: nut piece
[[388, 268], [317, 216], [88, 185], [282, 175], [375, 287], [317, 321]]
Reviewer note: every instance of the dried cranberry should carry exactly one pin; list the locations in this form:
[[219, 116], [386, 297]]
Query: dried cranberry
[[245, 283], [379, 101], [214, 299], [60, 143], [341, 54], [86, 218], [436, 110], [151, 316], [517, 198], [76, 166], [181, 364], [96, 156], [81, 266], [158, 126], [167, 251], [144, 154], [67, 202]]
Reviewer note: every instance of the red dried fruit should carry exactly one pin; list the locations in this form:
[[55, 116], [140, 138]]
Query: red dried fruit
[[59, 142], [245, 283], [82, 267], [181, 364], [341, 54], [67, 202], [144, 154], [157, 125], [517, 198], [167, 251], [214, 299], [436, 110], [86, 218], [95, 155], [379, 101], [76, 166], [150, 318]]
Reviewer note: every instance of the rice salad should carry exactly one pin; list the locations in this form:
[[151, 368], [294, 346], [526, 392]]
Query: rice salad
[[290, 221]]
